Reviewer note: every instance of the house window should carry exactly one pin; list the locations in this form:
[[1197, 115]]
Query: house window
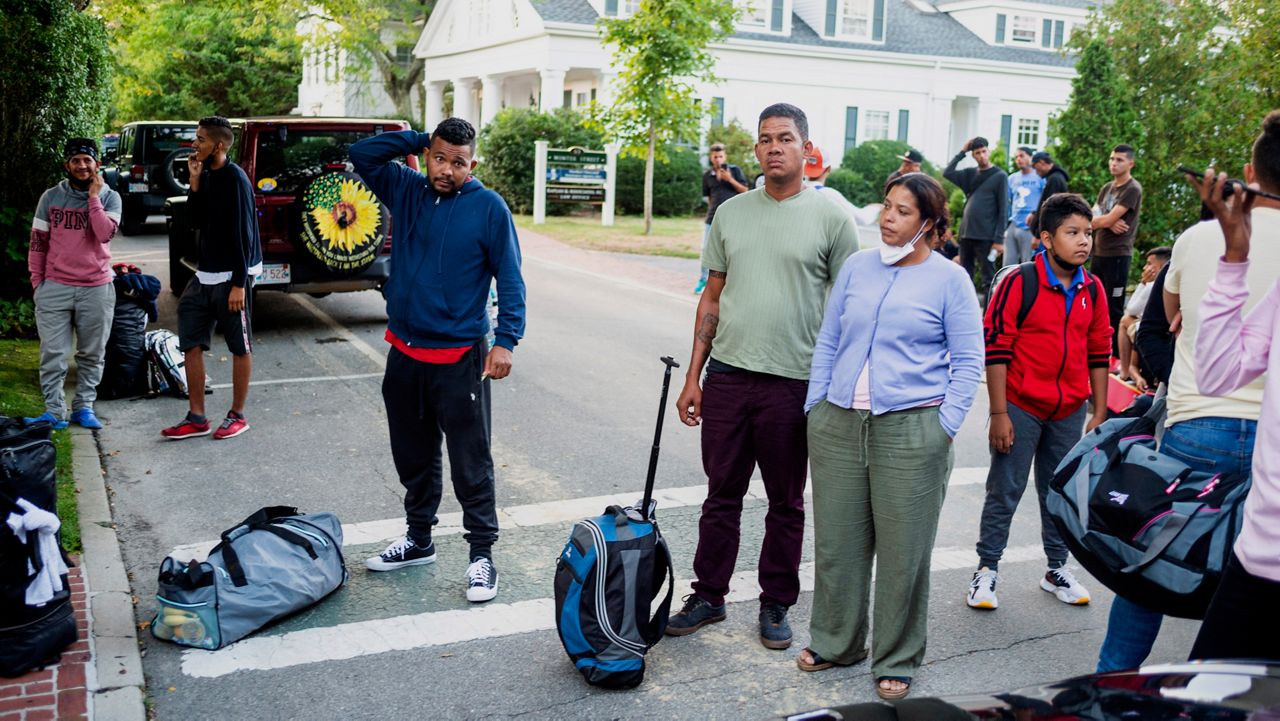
[[611, 8], [855, 18], [404, 55], [1024, 29], [1029, 132], [582, 100], [631, 7], [877, 122]]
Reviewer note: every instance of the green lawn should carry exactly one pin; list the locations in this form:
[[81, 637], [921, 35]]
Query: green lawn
[[677, 237], [20, 396]]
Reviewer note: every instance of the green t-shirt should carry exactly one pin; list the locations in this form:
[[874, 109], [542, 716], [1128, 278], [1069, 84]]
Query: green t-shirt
[[779, 260]]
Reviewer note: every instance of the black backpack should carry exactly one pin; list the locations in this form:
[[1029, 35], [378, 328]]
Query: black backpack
[[1031, 286]]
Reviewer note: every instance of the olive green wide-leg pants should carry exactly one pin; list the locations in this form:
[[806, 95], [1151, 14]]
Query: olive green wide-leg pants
[[878, 487]]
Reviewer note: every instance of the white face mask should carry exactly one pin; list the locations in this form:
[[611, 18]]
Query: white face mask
[[890, 254]]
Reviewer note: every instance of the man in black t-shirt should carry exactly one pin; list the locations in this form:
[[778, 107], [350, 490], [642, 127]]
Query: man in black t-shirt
[[220, 206], [1115, 225], [986, 209], [720, 182]]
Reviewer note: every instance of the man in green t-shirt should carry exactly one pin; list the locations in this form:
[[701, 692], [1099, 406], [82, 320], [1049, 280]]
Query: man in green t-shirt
[[771, 256]]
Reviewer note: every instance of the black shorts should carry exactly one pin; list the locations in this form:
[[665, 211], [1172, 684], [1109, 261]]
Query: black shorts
[[201, 306]]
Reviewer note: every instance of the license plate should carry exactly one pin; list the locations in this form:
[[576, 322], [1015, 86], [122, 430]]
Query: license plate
[[137, 187], [274, 274]]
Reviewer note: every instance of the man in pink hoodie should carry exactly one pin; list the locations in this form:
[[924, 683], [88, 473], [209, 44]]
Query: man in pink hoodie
[[1232, 350], [70, 264]]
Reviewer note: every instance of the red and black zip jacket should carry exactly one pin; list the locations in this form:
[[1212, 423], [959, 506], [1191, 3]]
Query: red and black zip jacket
[[1050, 355]]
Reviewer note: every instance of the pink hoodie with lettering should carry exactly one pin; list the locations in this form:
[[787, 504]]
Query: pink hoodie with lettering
[[1232, 350], [69, 236]]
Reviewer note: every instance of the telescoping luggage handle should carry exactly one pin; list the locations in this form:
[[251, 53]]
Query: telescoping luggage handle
[[657, 435], [261, 520]]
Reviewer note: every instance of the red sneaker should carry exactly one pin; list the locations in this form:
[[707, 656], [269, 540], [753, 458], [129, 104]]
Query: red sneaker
[[233, 425], [186, 428]]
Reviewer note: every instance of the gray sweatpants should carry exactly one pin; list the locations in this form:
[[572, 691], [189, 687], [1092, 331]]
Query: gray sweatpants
[[1017, 245], [1034, 440], [60, 310]]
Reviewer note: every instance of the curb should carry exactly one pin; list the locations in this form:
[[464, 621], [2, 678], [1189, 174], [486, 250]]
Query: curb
[[114, 678]]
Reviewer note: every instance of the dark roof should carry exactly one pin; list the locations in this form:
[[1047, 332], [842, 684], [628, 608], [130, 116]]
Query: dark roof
[[907, 31]]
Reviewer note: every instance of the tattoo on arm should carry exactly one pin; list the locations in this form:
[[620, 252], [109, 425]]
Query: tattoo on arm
[[707, 329], [716, 274]]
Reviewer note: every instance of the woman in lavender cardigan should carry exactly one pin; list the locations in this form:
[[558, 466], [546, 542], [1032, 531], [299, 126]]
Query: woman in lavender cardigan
[[896, 367]]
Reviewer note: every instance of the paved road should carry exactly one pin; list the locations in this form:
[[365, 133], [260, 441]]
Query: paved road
[[573, 422]]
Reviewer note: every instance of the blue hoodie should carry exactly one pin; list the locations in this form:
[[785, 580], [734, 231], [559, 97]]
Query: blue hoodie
[[445, 250]]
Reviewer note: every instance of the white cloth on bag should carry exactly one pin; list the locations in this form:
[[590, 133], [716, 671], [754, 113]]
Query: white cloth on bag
[[43, 525]]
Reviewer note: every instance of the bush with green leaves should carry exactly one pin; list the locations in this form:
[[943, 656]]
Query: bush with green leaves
[[677, 183], [508, 155], [869, 165], [55, 83]]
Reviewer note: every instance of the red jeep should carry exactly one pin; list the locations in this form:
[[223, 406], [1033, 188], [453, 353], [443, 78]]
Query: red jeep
[[322, 229]]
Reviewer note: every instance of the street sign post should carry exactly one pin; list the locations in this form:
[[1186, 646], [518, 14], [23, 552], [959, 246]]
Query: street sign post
[[574, 175]]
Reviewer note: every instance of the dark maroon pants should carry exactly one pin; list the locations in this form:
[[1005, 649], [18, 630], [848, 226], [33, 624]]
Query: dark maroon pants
[[749, 419]]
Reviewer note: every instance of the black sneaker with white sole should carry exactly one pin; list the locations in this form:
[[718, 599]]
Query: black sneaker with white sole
[[482, 580], [401, 553]]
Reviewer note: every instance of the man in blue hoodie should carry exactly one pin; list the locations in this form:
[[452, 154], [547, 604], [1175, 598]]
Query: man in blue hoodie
[[451, 238]]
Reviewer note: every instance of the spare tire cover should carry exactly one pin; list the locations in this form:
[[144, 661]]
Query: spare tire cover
[[343, 224]]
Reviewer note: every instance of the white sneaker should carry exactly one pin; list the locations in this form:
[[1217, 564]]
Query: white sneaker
[[482, 580], [982, 590], [1062, 584]]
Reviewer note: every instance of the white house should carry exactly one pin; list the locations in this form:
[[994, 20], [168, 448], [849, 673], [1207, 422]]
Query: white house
[[930, 72], [333, 86]]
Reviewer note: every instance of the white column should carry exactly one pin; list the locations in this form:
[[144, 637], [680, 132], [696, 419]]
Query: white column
[[433, 108], [490, 98], [610, 184], [464, 99], [540, 182], [938, 131], [552, 89], [605, 93]]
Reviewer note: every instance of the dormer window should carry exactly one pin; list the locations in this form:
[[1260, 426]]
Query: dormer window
[[1029, 30], [858, 20], [761, 15], [1024, 30], [621, 8]]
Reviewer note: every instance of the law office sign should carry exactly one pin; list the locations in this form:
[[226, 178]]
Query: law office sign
[[574, 175]]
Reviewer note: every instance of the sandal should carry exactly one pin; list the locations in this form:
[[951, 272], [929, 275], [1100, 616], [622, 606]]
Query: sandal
[[892, 694], [821, 664]]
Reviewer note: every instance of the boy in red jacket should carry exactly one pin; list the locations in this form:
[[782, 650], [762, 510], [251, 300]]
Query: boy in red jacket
[[1045, 356]]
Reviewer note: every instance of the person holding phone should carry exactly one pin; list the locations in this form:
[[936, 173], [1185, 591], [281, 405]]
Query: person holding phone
[[720, 182], [1234, 350], [70, 265]]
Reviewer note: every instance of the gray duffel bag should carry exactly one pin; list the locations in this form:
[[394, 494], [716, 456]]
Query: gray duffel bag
[[273, 563]]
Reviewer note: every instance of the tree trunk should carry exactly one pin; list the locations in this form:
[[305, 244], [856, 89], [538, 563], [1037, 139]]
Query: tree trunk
[[648, 179]]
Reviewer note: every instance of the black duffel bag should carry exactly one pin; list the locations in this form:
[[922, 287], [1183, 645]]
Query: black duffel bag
[[30, 636]]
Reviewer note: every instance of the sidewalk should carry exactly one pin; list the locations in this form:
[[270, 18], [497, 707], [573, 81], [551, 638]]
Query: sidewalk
[[100, 675]]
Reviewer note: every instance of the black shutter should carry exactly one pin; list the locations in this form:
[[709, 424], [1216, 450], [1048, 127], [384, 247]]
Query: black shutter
[[904, 120], [850, 127], [775, 18], [999, 29], [831, 17], [1057, 34], [1006, 133], [611, 8], [877, 22]]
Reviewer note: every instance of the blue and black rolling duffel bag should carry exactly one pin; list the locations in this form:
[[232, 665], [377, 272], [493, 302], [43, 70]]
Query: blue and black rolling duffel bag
[[607, 578]]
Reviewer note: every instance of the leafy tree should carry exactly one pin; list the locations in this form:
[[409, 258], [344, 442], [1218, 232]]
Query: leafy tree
[[508, 154], [1101, 114], [739, 146], [371, 33], [55, 79], [677, 183], [868, 165], [1197, 95], [183, 60], [661, 52]]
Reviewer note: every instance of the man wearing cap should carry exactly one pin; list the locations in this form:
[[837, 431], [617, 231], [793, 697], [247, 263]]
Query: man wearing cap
[[986, 209], [1055, 181], [70, 265], [911, 161], [720, 182], [1025, 187], [816, 172]]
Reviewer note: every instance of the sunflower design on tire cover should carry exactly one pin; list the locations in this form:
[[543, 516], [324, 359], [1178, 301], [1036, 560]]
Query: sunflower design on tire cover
[[343, 222]]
